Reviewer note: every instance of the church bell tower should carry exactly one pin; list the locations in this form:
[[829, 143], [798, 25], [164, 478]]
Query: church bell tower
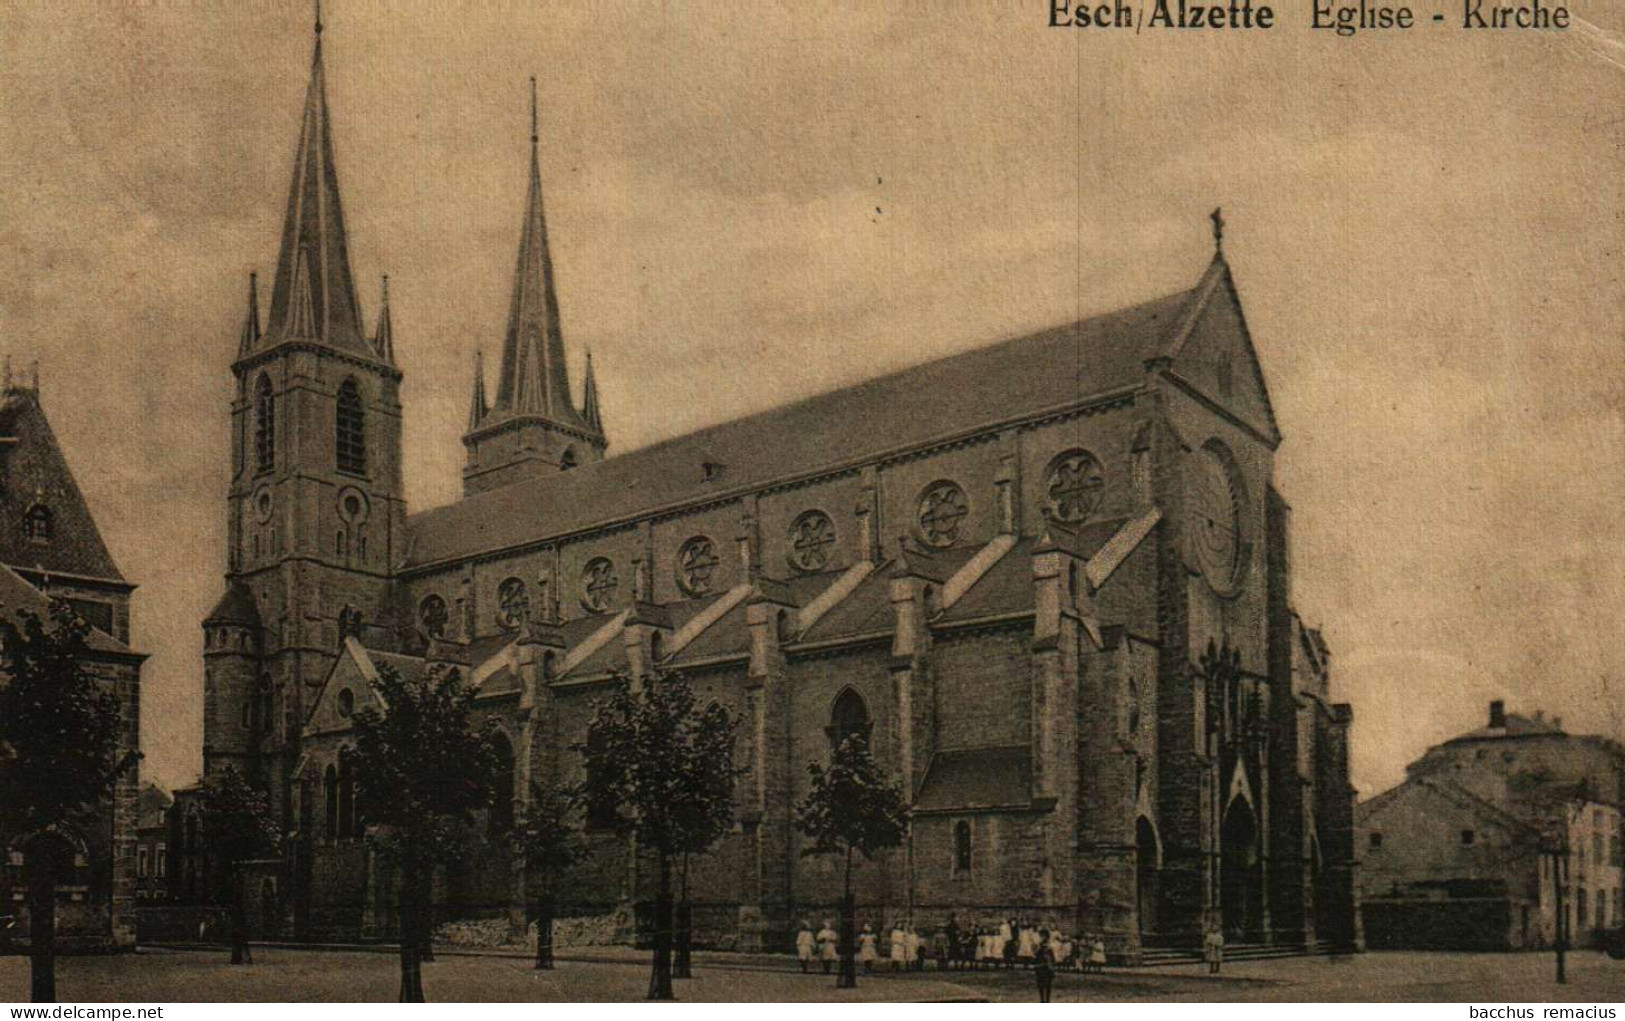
[[316, 518], [534, 426]]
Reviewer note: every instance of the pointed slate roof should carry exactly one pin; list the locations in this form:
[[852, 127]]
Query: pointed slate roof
[[314, 296], [34, 473], [535, 380], [236, 606]]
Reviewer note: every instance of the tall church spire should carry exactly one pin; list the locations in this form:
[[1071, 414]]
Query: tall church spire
[[384, 341], [314, 296], [251, 322], [589, 399], [534, 380], [477, 409]]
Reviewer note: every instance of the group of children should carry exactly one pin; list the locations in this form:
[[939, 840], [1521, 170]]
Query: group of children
[[1007, 944]]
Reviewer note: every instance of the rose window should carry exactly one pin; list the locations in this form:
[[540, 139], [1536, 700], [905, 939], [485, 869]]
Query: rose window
[[942, 509], [810, 539], [1073, 487], [598, 585], [696, 563], [513, 603], [433, 616]]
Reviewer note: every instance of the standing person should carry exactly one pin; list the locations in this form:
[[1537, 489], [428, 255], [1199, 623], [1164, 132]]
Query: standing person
[[1213, 950], [827, 945], [954, 956], [804, 946], [899, 946], [1007, 942], [1097, 954], [942, 948], [866, 948], [1026, 944], [1044, 966]]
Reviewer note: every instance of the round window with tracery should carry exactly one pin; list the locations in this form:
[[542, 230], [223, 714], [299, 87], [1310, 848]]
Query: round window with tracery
[[942, 510], [696, 563], [810, 540], [433, 616], [1073, 487], [598, 585], [513, 603]]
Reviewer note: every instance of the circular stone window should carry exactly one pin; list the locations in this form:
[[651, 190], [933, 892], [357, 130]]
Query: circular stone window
[[598, 585], [1073, 487], [513, 603], [811, 537], [352, 506], [942, 509], [433, 616], [1217, 502], [696, 564], [262, 505]]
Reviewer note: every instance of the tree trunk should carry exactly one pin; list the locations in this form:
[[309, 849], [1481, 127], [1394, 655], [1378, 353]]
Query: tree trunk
[[848, 978], [426, 936], [239, 918], [684, 965], [544, 931], [660, 977], [411, 970], [42, 920]]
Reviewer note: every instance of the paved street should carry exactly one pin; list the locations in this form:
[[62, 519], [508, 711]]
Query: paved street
[[281, 974]]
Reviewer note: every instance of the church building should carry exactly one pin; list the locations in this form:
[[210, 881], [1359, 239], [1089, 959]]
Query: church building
[[1059, 608]]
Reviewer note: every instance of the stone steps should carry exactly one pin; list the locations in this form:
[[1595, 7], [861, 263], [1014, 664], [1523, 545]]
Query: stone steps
[[1152, 957]]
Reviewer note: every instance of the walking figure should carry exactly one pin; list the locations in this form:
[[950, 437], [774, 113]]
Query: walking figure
[[1044, 966], [866, 948], [1213, 950], [804, 946], [826, 945]]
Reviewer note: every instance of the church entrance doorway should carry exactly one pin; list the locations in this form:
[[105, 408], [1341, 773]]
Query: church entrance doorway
[[1240, 895], [1147, 890]]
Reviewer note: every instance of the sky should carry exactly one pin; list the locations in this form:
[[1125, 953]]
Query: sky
[[749, 203]]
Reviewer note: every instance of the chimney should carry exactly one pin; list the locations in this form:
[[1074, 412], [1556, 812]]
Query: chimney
[[1498, 715]]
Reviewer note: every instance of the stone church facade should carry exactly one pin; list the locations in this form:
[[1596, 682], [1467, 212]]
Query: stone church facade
[[1011, 593]]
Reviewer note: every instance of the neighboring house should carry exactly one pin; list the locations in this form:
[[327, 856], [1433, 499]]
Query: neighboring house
[[50, 548], [152, 844], [1462, 854]]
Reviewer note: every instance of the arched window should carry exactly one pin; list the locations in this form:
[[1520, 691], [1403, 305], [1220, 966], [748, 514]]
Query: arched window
[[962, 856], [37, 523], [849, 717], [568, 459], [330, 787], [501, 817], [346, 795], [264, 425], [352, 431]]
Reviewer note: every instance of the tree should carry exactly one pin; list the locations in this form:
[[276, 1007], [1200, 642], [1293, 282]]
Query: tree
[[546, 843], [851, 807], [59, 740], [422, 770], [238, 826], [660, 772]]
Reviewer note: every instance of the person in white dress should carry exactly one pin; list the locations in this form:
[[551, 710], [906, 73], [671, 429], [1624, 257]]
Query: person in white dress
[[866, 947], [1026, 944], [1003, 947], [827, 945], [1097, 954], [804, 946], [899, 946]]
